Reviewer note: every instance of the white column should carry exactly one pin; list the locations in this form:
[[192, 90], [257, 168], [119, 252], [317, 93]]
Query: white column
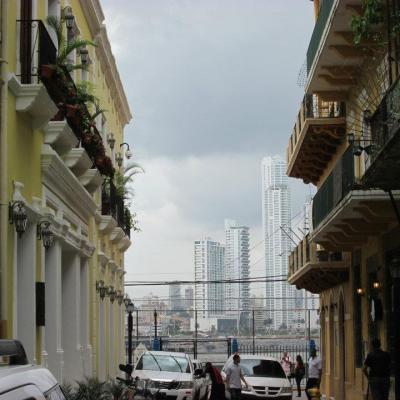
[[24, 295], [101, 349], [84, 324], [71, 265], [53, 300], [111, 341]]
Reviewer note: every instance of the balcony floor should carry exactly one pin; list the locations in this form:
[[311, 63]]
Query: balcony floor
[[317, 277]]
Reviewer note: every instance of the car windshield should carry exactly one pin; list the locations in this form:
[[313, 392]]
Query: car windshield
[[156, 362], [262, 368]]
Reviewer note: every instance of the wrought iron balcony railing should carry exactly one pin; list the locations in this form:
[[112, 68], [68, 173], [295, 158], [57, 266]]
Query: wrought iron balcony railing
[[319, 28], [36, 48], [340, 182]]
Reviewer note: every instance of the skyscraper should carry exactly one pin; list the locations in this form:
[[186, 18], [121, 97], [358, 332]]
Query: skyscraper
[[189, 300], [236, 267], [175, 297], [208, 266], [276, 230]]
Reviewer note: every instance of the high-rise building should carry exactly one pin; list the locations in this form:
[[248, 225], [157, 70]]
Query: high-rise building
[[175, 297], [277, 240], [208, 266], [189, 298], [236, 267]]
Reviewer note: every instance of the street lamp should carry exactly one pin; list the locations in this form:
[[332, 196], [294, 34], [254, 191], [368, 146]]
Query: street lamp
[[111, 140], [128, 153], [155, 324], [69, 17], [129, 309]]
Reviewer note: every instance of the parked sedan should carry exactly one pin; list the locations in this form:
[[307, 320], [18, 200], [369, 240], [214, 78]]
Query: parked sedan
[[170, 373], [265, 377]]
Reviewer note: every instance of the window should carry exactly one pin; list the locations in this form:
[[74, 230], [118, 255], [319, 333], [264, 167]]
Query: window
[[358, 340], [55, 394], [151, 362]]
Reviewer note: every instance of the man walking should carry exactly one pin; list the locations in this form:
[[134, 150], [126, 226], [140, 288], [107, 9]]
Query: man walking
[[234, 376], [377, 369], [314, 372]]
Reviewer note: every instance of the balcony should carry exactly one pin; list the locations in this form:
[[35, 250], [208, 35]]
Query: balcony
[[112, 205], [331, 55], [320, 128], [344, 215], [315, 269], [382, 163]]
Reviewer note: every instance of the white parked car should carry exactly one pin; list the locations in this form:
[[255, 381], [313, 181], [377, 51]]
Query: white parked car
[[171, 373], [265, 377], [20, 380]]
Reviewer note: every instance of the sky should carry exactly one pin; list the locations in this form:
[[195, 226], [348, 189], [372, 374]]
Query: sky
[[212, 85]]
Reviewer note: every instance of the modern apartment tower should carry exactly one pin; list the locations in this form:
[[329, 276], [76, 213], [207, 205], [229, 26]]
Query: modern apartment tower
[[276, 216], [209, 259], [237, 295], [175, 297]]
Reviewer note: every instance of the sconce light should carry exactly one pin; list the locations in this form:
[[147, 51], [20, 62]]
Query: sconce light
[[357, 147], [101, 289], [44, 232], [17, 215], [111, 140], [376, 285], [119, 159], [130, 307], [111, 293], [84, 53], [128, 153], [360, 291], [120, 297], [68, 17]]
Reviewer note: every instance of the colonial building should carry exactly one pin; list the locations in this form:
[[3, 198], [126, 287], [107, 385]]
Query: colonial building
[[346, 141], [63, 225]]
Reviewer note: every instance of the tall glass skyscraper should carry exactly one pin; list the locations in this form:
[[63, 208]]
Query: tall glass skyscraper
[[237, 295], [276, 216], [209, 260]]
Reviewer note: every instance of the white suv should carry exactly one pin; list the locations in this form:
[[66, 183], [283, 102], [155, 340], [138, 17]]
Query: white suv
[[265, 377], [21, 381], [170, 373]]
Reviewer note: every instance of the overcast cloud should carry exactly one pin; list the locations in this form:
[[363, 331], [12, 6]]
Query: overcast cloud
[[212, 86]]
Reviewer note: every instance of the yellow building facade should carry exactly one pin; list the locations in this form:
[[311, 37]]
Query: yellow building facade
[[64, 227], [346, 142]]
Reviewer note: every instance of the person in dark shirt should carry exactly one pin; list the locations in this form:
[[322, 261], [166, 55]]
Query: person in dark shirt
[[217, 383], [377, 369]]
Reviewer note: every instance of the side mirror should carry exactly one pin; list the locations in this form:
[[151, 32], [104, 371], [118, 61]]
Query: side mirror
[[127, 368], [198, 372]]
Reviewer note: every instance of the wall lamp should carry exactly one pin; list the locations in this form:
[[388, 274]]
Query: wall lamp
[[360, 291], [119, 159], [68, 17], [357, 147], [44, 232], [101, 288], [120, 297], [128, 153], [111, 140], [376, 285], [111, 293], [84, 53], [17, 216]]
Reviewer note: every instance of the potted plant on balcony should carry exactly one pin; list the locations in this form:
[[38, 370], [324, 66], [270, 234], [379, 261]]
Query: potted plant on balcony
[[65, 48]]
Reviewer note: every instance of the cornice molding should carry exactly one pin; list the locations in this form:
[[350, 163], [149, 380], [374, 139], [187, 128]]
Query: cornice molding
[[59, 179], [107, 60], [107, 223]]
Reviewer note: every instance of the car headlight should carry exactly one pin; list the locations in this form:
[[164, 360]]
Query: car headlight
[[287, 389], [186, 385], [246, 387]]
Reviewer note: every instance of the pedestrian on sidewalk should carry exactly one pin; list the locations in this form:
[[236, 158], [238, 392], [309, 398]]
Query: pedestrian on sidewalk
[[377, 369], [217, 383], [286, 363], [299, 372], [234, 376], [314, 372]]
